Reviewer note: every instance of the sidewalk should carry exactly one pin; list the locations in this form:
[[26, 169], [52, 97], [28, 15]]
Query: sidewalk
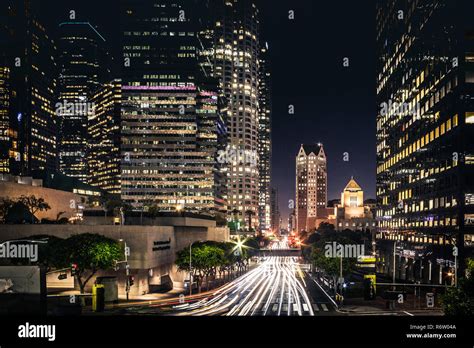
[[379, 306]]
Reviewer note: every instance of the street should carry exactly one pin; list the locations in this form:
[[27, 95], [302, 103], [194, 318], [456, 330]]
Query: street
[[276, 287]]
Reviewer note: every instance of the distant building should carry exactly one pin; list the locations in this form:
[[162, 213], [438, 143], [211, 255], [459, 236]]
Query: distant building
[[292, 221], [275, 211], [352, 213], [311, 187]]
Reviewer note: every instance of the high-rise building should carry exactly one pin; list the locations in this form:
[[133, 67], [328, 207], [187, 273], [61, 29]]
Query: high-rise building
[[171, 115], [103, 126], [27, 90], [236, 63], [311, 187], [264, 142], [425, 127], [275, 212], [84, 66]]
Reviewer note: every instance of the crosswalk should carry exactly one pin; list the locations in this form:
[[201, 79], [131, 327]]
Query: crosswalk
[[320, 307]]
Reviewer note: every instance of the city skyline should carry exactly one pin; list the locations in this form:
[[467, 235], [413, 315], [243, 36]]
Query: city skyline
[[308, 124], [257, 158]]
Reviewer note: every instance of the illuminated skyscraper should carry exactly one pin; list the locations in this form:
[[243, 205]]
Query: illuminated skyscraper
[[236, 63], [425, 127], [103, 157], [27, 90], [171, 123], [311, 186], [83, 67], [264, 142]]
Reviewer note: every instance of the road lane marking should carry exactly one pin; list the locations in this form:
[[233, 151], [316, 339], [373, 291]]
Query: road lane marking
[[325, 308]]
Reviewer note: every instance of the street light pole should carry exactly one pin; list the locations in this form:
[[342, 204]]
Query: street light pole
[[455, 254], [394, 251], [190, 270]]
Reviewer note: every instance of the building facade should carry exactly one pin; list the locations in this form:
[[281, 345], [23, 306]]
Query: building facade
[[28, 85], [103, 128], [352, 213], [83, 62], [171, 121], [425, 126], [264, 142], [236, 64], [311, 187], [275, 212]]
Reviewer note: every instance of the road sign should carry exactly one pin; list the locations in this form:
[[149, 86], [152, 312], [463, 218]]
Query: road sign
[[430, 300], [455, 251]]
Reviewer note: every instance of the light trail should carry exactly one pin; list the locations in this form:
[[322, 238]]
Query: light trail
[[273, 288]]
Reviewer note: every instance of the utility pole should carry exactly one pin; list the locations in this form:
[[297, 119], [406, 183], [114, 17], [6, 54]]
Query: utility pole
[[127, 269], [126, 250], [190, 270], [394, 251], [455, 254]]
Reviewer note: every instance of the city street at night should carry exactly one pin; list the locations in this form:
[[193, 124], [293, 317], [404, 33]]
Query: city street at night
[[236, 172]]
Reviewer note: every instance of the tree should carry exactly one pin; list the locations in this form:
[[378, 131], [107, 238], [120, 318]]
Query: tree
[[34, 204], [52, 253], [331, 265], [91, 253], [204, 258], [460, 301], [5, 205], [211, 257]]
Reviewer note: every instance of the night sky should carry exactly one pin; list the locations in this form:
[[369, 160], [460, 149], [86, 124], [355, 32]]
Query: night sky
[[333, 104]]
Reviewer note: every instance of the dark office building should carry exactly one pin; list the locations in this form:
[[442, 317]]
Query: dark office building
[[425, 127], [84, 66], [27, 90]]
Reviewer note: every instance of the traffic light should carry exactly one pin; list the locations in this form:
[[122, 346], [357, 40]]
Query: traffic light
[[131, 280], [74, 269]]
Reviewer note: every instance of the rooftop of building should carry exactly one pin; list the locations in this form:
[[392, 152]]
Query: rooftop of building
[[352, 185], [312, 148]]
